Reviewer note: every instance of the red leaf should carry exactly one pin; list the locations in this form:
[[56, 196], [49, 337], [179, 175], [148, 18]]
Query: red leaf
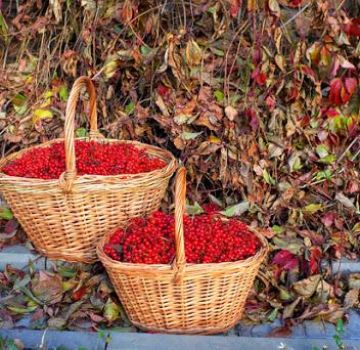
[[350, 85], [353, 27], [308, 71], [163, 91], [345, 96], [286, 260], [315, 257], [78, 295], [254, 121], [330, 112], [293, 94], [259, 76], [328, 219], [336, 86], [295, 3], [270, 102], [304, 121], [256, 59], [235, 7]]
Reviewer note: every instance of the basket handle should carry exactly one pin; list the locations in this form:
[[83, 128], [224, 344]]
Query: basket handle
[[68, 177], [180, 196]]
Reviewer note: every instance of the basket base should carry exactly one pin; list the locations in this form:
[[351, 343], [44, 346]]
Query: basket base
[[199, 330]]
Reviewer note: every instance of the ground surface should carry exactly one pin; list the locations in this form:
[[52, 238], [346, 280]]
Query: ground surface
[[265, 336]]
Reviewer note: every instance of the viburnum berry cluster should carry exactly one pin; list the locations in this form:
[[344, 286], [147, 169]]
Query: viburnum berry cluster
[[92, 158], [208, 239]]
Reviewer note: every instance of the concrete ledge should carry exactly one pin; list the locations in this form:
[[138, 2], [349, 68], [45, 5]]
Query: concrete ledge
[[19, 256], [140, 341]]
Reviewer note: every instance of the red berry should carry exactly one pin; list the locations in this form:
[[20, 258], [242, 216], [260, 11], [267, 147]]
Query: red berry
[[208, 239], [92, 158]]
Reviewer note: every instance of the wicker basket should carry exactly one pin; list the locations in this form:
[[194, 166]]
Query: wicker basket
[[66, 217], [183, 298]]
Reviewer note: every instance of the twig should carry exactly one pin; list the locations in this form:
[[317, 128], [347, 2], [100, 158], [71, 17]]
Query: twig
[[295, 16], [348, 148], [356, 155], [42, 345]]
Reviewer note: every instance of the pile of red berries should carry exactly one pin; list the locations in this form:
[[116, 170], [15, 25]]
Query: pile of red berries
[[92, 158], [208, 239]]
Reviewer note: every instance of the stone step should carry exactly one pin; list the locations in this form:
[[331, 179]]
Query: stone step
[[19, 256], [142, 341]]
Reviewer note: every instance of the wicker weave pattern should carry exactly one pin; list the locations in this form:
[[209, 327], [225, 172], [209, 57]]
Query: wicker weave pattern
[[183, 298], [65, 218]]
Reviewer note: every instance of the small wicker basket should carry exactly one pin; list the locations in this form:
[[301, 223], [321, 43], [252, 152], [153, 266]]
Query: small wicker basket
[[183, 298], [66, 217]]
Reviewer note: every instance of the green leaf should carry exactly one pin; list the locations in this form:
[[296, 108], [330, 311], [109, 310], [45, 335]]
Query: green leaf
[[19, 102], [313, 208], [285, 295], [217, 52], [111, 311], [236, 210], [324, 175], [65, 271], [145, 50], [277, 229], [322, 151], [329, 159], [190, 135], [293, 245], [212, 10], [295, 162], [340, 326], [101, 334], [272, 316], [81, 132], [130, 108], [219, 95], [194, 209], [3, 26], [10, 345], [6, 214], [63, 93], [21, 282], [19, 309], [267, 177], [181, 119]]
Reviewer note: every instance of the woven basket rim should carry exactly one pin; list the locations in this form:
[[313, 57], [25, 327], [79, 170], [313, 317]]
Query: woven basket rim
[[132, 267], [165, 155]]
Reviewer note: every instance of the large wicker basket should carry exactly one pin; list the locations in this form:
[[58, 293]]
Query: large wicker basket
[[183, 298], [66, 217]]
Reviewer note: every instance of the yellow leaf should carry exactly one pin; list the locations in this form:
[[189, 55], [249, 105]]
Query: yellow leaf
[[214, 139], [110, 66], [40, 114], [280, 61], [274, 7], [193, 53]]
